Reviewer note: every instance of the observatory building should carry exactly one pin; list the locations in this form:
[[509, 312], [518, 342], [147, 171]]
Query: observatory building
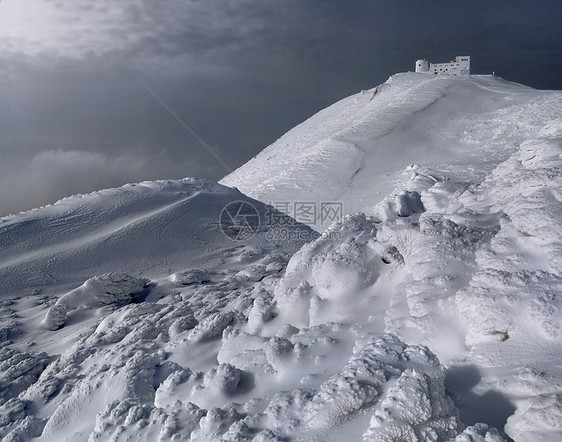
[[459, 66]]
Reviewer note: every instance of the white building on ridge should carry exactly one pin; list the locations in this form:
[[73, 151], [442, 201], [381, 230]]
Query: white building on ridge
[[459, 66]]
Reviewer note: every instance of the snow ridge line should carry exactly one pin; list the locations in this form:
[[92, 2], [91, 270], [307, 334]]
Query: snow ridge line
[[388, 111], [95, 236]]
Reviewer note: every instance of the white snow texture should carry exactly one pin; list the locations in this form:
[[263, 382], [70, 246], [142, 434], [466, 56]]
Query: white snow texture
[[430, 312]]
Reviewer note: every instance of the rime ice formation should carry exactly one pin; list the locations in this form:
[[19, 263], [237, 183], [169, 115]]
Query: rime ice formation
[[429, 312]]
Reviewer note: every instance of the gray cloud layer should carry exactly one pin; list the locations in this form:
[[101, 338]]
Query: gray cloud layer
[[75, 118]]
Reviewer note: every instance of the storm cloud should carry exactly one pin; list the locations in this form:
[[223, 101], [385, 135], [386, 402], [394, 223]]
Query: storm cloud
[[76, 115]]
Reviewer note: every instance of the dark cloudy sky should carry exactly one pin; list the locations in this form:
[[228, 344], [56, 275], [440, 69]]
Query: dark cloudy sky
[[75, 113]]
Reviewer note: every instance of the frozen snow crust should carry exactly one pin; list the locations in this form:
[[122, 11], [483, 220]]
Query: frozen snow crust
[[429, 313]]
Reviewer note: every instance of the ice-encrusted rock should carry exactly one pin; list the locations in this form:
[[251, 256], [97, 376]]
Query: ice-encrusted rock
[[19, 370], [225, 378], [192, 276], [479, 433], [25, 430], [261, 312], [414, 410], [388, 375], [125, 420], [215, 423], [408, 203], [325, 273], [212, 326], [540, 419], [99, 291]]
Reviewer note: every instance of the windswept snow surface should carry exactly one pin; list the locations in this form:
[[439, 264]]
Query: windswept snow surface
[[150, 228], [357, 150], [461, 177], [433, 315]]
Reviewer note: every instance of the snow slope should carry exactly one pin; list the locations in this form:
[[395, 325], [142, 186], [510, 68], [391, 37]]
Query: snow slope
[[111, 243], [203, 350], [461, 179], [150, 228], [358, 150], [434, 315]]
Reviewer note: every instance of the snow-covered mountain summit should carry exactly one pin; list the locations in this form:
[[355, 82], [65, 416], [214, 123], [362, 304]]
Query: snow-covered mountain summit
[[433, 315], [359, 149]]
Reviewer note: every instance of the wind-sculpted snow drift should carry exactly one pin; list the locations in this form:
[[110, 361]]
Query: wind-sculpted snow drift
[[431, 314]]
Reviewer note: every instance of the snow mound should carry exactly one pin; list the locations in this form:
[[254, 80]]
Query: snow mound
[[138, 380], [99, 291], [479, 433], [325, 279], [408, 384], [191, 276], [155, 228], [521, 277]]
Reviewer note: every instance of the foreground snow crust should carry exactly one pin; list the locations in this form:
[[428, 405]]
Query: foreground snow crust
[[433, 315]]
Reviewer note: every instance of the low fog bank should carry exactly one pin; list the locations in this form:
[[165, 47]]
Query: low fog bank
[[30, 181]]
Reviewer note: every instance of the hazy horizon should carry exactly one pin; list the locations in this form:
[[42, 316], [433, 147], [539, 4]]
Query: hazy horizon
[[77, 114]]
